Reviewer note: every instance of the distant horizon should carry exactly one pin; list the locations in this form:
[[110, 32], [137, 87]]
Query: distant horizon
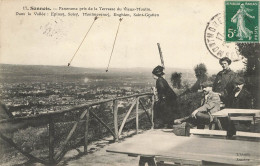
[[101, 67], [169, 70]]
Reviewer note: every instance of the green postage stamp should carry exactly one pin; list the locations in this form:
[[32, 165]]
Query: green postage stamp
[[242, 21]]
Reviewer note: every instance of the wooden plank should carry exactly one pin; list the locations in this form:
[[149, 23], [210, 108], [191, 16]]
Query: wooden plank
[[225, 112], [125, 118], [137, 115], [146, 112], [242, 118], [179, 161], [208, 132], [241, 114], [51, 140], [152, 111], [103, 123], [247, 134], [86, 133], [115, 111]]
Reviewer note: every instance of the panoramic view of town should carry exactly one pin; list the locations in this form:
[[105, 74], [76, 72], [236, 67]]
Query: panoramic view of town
[[28, 90], [32, 90]]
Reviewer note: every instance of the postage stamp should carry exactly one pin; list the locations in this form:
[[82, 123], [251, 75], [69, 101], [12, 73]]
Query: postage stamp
[[242, 21]]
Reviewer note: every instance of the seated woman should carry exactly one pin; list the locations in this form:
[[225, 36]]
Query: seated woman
[[202, 116]]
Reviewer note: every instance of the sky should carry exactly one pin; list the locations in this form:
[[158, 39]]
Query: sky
[[48, 40]]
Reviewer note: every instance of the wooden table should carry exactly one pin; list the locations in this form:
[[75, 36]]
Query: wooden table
[[237, 115], [225, 112], [160, 144]]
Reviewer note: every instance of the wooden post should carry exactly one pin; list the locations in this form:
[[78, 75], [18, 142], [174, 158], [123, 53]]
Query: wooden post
[[86, 133], [115, 110], [137, 117], [147, 113], [51, 140], [125, 118], [152, 112], [59, 155]]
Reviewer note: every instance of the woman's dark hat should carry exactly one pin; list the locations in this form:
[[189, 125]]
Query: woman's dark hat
[[225, 59], [158, 71]]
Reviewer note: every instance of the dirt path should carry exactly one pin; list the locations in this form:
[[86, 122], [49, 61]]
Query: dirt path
[[103, 158], [98, 156]]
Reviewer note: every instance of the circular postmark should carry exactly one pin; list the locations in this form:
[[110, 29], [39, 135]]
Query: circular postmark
[[215, 40]]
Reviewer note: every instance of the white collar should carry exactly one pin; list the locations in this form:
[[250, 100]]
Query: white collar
[[237, 93]]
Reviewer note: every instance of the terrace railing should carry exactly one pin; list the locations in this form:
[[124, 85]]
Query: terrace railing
[[85, 110]]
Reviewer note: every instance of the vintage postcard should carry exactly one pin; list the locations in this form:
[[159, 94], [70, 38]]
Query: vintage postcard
[[140, 82]]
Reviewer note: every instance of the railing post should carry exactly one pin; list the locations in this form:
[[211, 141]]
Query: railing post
[[152, 111], [115, 110], [51, 140], [137, 115], [86, 132]]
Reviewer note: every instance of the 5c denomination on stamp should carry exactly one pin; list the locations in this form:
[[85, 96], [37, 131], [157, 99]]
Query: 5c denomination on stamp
[[242, 21]]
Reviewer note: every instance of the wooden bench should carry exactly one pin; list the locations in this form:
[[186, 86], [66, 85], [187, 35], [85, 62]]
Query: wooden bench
[[222, 133], [169, 161], [206, 132], [241, 117]]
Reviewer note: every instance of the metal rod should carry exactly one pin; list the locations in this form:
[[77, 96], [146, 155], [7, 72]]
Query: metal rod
[[114, 44], [82, 41]]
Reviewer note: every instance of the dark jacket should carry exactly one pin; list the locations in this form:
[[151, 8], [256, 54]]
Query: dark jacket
[[223, 84], [165, 92], [165, 108], [242, 101]]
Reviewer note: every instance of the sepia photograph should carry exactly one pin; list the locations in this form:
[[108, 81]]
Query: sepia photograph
[[124, 83]]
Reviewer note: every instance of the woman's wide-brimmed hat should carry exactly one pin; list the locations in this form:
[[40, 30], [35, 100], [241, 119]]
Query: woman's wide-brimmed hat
[[158, 71]]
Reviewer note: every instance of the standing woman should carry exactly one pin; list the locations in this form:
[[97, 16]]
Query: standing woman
[[223, 83], [165, 107]]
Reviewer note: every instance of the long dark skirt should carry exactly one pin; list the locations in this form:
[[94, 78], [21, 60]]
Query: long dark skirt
[[164, 114]]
